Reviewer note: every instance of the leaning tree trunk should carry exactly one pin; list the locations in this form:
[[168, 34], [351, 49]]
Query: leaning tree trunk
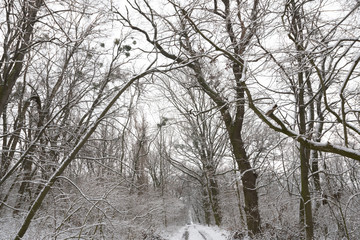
[[72, 155]]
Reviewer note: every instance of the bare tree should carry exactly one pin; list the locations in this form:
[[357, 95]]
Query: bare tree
[[335, 70], [192, 36], [70, 83], [20, 19], [140, 156], [311, 78], [202, 141]]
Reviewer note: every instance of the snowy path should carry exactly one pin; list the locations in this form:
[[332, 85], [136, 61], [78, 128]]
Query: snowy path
[[199, 232]]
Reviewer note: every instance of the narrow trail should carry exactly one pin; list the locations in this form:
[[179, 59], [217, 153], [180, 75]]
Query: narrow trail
[[205, 235], [191, 232]]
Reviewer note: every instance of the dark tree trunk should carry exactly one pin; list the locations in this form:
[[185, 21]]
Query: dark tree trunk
[[24, 192], [215, 204], [306, 218], [206, 206], [4, 163], [297, 36], [213, 192], [305, 201], [248, 179]]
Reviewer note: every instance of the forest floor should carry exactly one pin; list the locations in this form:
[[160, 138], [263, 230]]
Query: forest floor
[[198, 232], [9, 227]]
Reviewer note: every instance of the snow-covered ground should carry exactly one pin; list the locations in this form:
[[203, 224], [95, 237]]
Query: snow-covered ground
[[9, 226], [198, 232]]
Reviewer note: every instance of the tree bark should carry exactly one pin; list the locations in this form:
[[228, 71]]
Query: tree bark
[[215, 204], [213, 194], [248, 178], [306, 218], [206, 205]]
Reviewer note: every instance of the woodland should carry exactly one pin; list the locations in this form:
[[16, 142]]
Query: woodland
[[124, 119]]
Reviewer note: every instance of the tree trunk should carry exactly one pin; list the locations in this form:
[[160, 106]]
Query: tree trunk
[[315, 170], [206, 206], [4, 162], [306, 218], [305, 202], [238, 195], [215, 205], [213, 193], [24, 192], [297, 36], [248, 179]]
